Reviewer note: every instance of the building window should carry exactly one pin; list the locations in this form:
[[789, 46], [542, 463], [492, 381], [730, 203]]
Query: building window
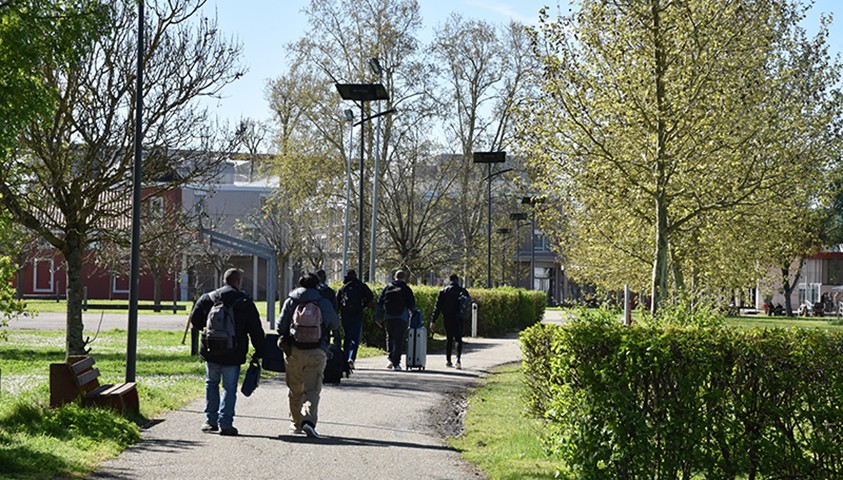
[[43, 277], [156, 207], [199, 205], [119, 284], [809, 292]]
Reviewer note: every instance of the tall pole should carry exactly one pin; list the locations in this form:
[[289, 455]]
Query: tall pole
[[347, 194], [533, 251], [517, 254], [373, 240], [489, 231], [134, 283], [360, 216]]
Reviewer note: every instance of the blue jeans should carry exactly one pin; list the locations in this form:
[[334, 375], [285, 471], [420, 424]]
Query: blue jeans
[[220, 411], [352, 326]]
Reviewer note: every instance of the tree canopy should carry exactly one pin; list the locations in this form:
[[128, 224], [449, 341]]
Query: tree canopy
[[672, 133]]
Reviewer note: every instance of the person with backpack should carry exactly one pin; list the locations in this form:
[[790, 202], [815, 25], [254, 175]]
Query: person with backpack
[[325, 290], [228, 320], [307, 318], [454, 303], [395, 303], [353, 298]]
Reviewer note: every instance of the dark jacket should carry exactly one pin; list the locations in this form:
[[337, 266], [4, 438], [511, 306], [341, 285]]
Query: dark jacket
[[366, 297], [247, 322], [330, 321], [409, 301], [329, 294], [447, 302]]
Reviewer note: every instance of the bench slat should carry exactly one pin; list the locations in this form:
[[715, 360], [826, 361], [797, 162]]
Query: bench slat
[[122, 397], [119, 389], [87, 377], [82, 365]]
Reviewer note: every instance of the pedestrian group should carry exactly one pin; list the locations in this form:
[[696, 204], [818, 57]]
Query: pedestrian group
[[308, 333]]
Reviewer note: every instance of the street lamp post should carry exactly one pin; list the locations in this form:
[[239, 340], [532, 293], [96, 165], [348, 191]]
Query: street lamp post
[[134, 266], [518, 218], [532, 201], [489, 158], [349, 116], [502, 232], [362, 92], [375, 65]]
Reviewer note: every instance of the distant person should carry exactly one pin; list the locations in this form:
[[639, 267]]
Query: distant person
[[307, 318], [325, 290], [224, 352], [448, 303], [353, 298], [394, 305]]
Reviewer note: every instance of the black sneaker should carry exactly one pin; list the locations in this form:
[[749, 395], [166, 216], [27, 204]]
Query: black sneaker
[[229, 431], [310, 430], [209, 427]]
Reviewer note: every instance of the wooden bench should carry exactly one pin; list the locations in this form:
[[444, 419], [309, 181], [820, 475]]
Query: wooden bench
[[77, 378]]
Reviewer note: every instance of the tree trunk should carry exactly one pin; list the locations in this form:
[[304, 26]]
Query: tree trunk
[[788, 286], [156, 291], [660, 263], [74, 245], [20, 277]]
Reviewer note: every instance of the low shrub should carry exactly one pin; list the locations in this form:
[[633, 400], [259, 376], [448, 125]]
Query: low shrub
[[663, 401], [499, 311]]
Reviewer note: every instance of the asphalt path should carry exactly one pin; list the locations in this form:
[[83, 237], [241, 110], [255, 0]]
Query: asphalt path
[[378, 424], [104, 321]]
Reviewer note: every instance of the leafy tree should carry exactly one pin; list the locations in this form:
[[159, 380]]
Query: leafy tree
[[34, 33], [662, 122], [485, 75], [71, 178]]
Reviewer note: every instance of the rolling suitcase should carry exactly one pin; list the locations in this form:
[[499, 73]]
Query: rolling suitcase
[[336, 366], [416, 348], [273, 357]]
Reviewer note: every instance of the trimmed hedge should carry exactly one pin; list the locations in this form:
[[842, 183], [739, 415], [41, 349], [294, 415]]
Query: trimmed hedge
[[499, 311], [688, 402]]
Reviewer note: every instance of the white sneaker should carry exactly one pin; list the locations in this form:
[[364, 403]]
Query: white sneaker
[[458, 365]]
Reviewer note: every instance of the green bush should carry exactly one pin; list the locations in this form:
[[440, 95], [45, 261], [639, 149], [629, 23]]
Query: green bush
[[668, 401], [500, 311]]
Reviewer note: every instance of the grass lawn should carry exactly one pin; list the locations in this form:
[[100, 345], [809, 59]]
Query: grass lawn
[[498, 438], [37, 442]]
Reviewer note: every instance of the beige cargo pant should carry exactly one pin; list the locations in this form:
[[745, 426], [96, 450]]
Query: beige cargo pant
[[304, 380]]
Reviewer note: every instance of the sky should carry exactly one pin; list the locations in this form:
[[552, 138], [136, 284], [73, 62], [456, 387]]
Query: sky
[[266, 27]]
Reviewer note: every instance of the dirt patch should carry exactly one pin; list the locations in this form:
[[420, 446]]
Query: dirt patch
[[448, 416]]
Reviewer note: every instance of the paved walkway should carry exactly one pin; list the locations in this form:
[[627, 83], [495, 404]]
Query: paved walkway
[[375, 425]]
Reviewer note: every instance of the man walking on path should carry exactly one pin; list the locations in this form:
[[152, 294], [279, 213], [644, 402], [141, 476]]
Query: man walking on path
[[307, 318], [223, 358], [326, 290], [353, 298], [448, 303], [395, 303]]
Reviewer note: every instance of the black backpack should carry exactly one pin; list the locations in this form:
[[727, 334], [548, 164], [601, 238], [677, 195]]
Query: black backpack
[[351, 299], [218, 336], [393, 300], [464, 305]]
